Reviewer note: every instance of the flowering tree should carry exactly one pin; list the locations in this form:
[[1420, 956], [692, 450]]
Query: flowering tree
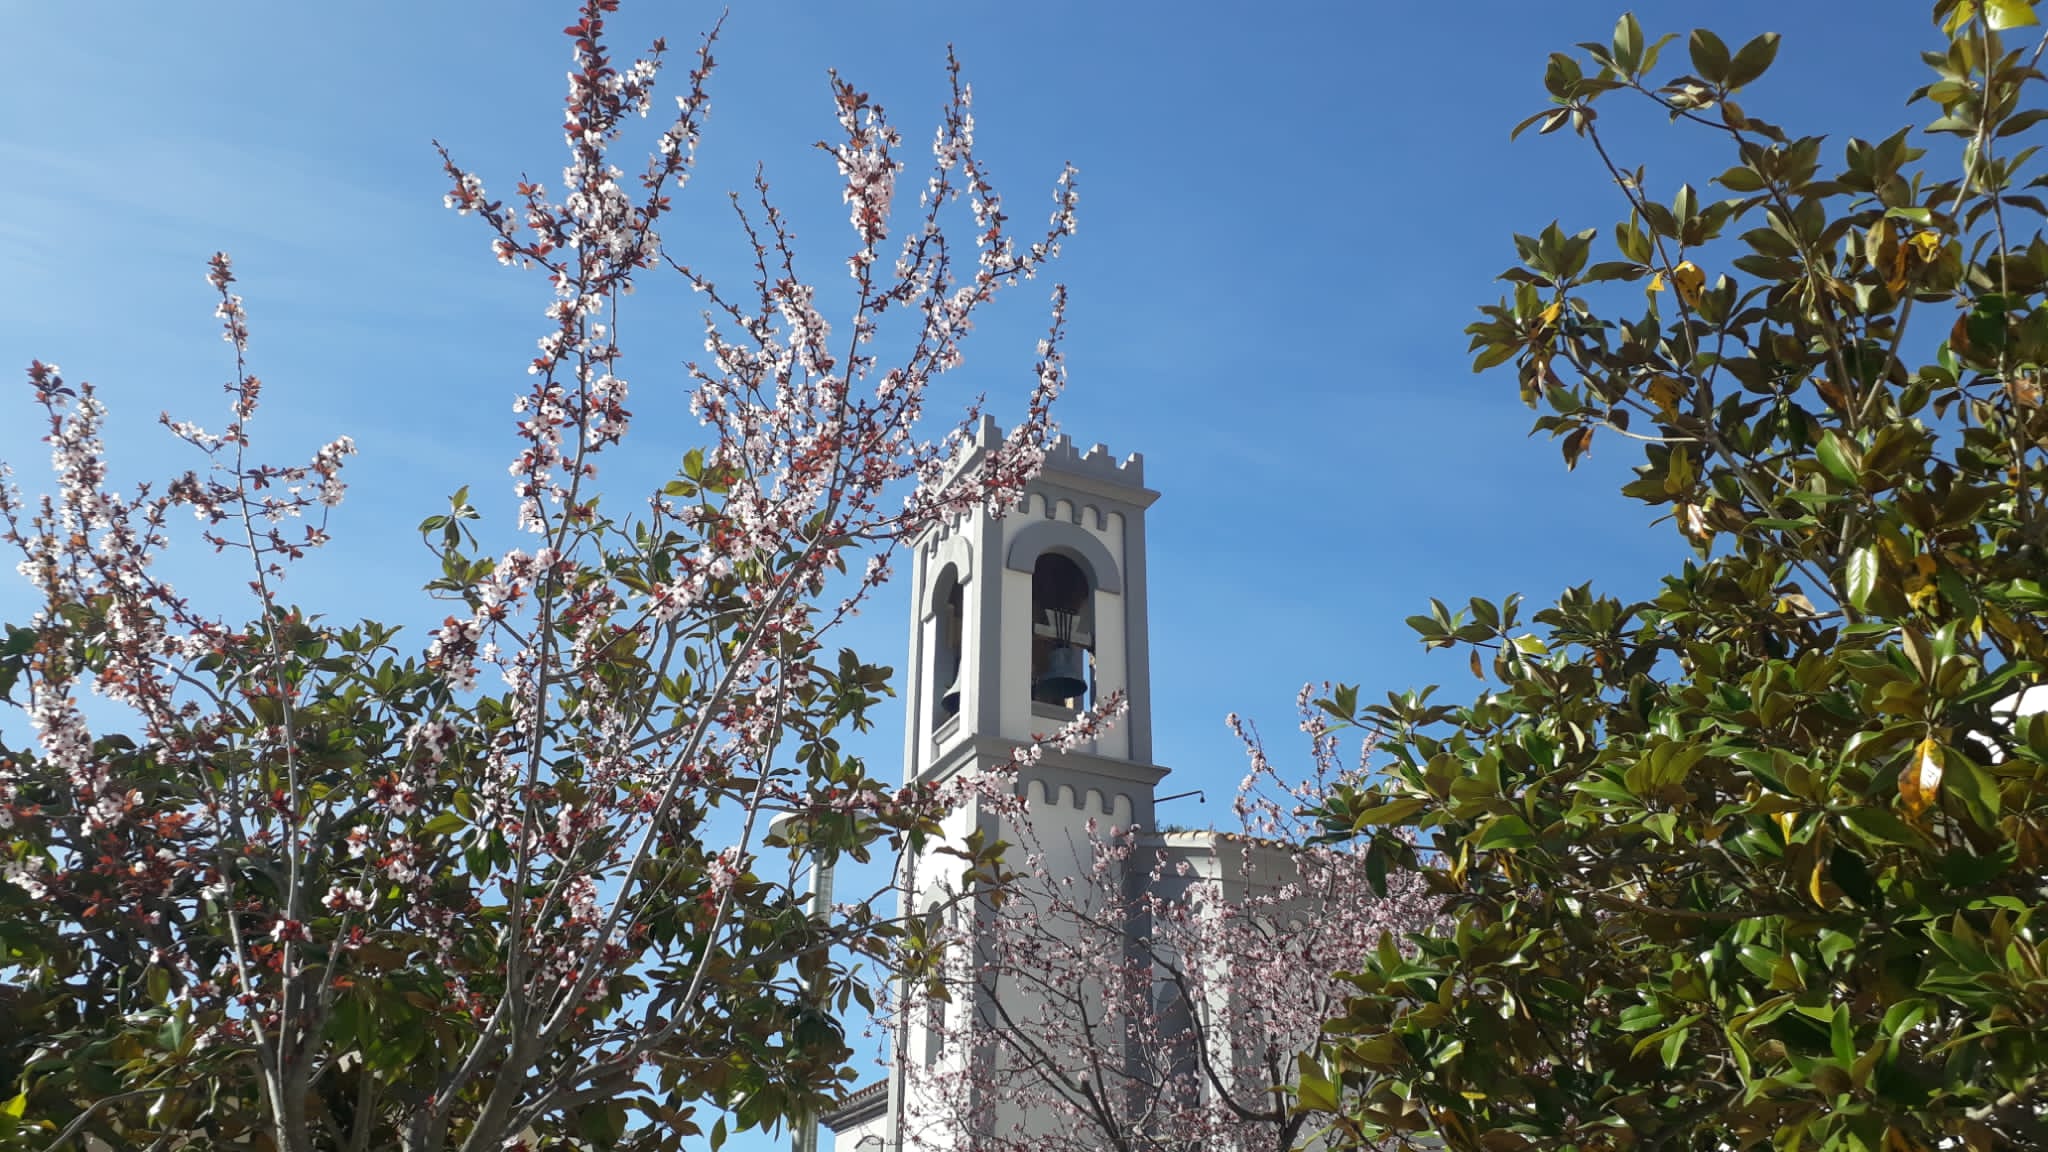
[[1150, 993], [299, 884]]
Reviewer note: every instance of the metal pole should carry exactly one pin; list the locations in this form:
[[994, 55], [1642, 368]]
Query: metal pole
[[820, 908]]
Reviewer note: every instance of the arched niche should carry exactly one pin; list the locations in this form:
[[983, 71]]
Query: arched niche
[[953, 552], [1070, 540], [948, 614]]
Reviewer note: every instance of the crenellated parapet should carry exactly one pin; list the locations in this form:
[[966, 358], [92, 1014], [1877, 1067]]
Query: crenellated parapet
[[1066, 466], [1063, 458], [1044, 796]]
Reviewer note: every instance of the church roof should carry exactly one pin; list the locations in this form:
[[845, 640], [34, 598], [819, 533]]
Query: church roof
[[862, 1105], [1205, 837]]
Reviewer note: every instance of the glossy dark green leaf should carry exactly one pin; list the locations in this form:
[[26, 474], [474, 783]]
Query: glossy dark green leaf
[[1506, 832], [1838, 458], [1709, 56], [1752, 60]]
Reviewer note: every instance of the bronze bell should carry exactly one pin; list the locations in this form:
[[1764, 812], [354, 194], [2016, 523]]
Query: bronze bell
[[949, 699], [1066, 674]]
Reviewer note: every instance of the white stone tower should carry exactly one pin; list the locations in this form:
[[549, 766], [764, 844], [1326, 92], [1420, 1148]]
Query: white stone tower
[[995, 600], [986, 595]]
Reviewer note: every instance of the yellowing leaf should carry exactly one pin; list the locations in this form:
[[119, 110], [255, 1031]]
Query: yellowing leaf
[[1882, 246], [1550, 314], [1921, 588], [1666, 393], [2003, 14], [1895, 260], [1920, 783], [1316, 1094], [1657, 282], [1813, 887], [1795, 604], [1576, 445], [1788, 823], [1689, 280]]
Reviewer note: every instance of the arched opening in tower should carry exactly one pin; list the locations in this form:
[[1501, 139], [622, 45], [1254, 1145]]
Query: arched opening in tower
[[1062, 632], [946, 653]]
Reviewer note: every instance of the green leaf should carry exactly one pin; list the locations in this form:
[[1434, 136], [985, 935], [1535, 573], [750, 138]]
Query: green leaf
[[1974, 785], [1851, 875], [1753, 60], [1860, 579], [1655, 49], [1506, 832], [1709, 56], [1838, 457], [19, 642], [175, 1028], [1879, 825], [2020, 122], [1628, 44], [1393, 813], [1673, 1046], [1741, 179]]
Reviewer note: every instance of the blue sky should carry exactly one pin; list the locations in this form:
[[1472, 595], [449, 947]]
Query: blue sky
[[1288, 214]]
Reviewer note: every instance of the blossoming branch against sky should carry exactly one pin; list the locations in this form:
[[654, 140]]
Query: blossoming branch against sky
[[1288, 212]]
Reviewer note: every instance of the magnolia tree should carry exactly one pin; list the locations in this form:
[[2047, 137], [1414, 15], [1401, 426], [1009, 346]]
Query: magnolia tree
[[1755, 859], [301, 884], [1150, 992]]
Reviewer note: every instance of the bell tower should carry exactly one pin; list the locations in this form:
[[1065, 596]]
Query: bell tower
[[1021, 621], [1018, 623]]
